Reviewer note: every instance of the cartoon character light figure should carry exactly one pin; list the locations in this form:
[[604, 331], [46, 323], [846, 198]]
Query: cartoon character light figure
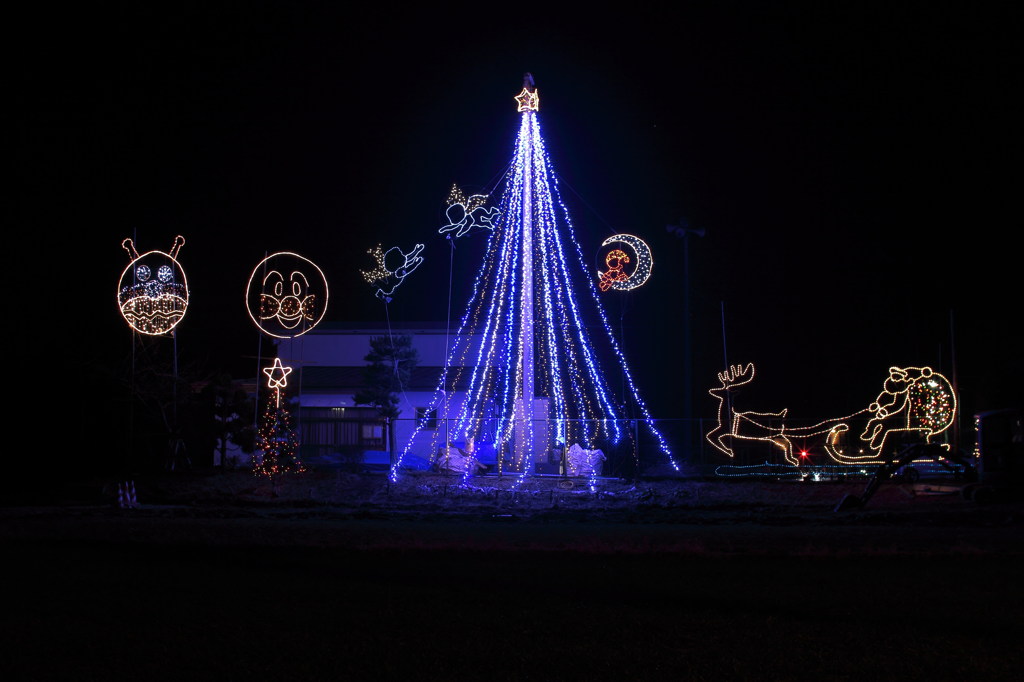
[[287, 295], [289, 308], [625, 249], [615, 261], [152, 294]]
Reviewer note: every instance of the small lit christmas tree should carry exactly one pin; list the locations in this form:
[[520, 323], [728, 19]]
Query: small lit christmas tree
[[278, 442]]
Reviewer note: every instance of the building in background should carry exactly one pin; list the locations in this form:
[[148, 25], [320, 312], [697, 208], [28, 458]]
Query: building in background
[[328, 370]]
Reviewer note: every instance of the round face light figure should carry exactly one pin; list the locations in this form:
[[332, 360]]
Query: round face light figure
[[286, 295], [152, 293]]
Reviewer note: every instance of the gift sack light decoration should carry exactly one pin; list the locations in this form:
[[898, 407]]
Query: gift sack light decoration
[[286, 295], [152, 293], [915, 402]]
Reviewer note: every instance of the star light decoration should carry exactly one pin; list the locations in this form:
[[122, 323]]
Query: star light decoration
[[914, 401], [528, 100], [277, 439], [277, 378]]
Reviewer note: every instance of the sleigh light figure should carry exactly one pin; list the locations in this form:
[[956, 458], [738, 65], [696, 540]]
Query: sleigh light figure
[[914, 403]]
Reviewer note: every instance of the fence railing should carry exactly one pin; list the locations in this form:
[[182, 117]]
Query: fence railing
[[617, 448]]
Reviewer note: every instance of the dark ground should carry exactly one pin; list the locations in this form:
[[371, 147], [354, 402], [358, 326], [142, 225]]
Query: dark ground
[[342, 576]]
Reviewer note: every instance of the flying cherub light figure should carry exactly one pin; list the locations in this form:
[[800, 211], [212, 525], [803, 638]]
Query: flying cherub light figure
[[914, 402], [464, 214], [393, 266]]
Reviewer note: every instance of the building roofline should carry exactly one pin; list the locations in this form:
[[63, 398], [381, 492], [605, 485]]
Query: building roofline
[[378, 327]]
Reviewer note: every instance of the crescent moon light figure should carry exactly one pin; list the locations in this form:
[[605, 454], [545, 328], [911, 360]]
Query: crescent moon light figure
[[616, 278]]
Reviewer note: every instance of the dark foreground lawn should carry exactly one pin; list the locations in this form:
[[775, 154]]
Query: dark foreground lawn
[[339, 579], [75, 610]]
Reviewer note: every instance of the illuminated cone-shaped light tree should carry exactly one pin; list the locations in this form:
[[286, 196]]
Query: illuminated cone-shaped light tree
[[278, 443], [526, 349]]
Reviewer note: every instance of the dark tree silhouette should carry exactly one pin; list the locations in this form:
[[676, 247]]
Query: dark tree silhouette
[[391, 361], [227, 412]]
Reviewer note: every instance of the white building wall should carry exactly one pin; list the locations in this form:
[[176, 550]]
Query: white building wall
[[342, 348], [332, 347]]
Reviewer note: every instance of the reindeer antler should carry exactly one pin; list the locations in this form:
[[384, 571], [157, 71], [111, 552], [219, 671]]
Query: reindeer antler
[[732, 377]]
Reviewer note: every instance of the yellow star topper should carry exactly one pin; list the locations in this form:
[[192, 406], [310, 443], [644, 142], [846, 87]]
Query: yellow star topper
[[528, 101]]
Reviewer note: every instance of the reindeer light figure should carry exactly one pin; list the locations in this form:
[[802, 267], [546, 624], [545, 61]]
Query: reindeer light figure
[[914, 402]]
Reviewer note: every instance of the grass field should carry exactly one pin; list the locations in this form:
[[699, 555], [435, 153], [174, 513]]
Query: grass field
[[722, 584]]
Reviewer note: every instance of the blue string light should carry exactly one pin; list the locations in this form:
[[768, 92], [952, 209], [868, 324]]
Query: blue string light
[[530, 275]]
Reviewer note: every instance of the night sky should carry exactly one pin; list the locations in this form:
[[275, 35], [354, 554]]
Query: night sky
[[852, 170]]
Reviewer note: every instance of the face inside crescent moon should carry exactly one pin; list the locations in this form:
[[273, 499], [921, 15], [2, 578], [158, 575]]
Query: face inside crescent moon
[[627, 263]]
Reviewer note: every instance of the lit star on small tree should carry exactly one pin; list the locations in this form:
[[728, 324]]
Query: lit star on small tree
[[277, 377], [277, 439]]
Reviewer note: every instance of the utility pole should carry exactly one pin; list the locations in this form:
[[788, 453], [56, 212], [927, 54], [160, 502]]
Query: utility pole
[[683, 231]]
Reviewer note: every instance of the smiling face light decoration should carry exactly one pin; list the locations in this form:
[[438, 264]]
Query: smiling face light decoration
[[152, 294], [287, 295]]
